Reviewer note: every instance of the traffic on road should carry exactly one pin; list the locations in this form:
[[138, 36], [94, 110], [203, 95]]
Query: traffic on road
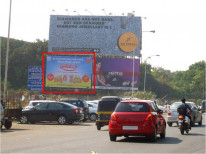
[[134, 125]]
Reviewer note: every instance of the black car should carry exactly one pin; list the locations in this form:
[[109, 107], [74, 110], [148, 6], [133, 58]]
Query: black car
[[61, 112], [82, 104]]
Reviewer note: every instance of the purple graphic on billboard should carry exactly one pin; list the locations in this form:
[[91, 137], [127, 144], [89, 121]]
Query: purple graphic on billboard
[[116, 73]]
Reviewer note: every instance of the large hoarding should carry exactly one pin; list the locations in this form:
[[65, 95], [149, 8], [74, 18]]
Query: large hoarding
[[68, 71], [116, 73], [101, 33]]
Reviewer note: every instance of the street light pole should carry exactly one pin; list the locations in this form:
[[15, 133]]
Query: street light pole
[[145, 69], [7, 57]]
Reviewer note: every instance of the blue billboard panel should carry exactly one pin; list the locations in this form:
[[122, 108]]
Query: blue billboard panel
[[68, 71], [100, 33], [35, 78]]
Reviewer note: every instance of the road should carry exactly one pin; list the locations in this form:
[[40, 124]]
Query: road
[[84, 138]]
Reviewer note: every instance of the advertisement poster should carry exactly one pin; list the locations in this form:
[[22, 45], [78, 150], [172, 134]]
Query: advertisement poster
[[116, 73], [68, 71], [94, 32]]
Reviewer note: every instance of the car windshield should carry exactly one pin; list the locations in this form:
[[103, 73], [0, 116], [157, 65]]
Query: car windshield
[[132, 107]]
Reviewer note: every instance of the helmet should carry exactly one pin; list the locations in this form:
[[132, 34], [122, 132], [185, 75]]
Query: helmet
[[183, 100]]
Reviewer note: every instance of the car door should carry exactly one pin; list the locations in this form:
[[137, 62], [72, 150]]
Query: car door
[[159, 118], [39, 112], [54, 110]]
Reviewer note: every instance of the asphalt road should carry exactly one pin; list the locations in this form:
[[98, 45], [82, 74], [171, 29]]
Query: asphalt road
[[84, 138]]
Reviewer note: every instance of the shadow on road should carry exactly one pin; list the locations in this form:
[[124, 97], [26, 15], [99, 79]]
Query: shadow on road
[[195, 134], [167, 140], [12, 130], [55, 123]]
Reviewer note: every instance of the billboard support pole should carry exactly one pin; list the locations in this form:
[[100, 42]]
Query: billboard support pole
[[133, 76]]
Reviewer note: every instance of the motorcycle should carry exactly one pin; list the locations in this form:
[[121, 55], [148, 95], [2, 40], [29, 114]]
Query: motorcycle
[[184, 124]]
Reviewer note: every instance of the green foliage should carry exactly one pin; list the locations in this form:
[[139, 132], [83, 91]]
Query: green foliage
[[21, 55], [142, 95], [169, 85]]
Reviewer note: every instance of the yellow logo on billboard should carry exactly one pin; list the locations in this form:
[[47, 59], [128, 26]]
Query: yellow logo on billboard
[[128, 42]]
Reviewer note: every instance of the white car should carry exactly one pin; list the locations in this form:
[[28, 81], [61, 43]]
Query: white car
[[92, 111], [94, 102], [34, 103], [164, 109]]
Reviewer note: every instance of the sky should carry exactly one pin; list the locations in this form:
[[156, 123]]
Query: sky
[[180, 25]]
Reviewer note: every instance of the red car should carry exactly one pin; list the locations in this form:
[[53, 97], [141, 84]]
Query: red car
[[137, 118]]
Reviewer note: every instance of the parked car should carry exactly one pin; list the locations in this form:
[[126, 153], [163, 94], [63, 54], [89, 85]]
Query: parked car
[[105, 108], [92, 111], [82, 104], [61, 112], [36, 102], [172, 115], [137, 118], [94, 102]]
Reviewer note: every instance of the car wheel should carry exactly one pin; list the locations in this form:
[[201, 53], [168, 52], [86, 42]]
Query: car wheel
[[162, 135], [62, 120], [24, 119], [112, 137], [170, 124], [8, 124], [98, 126], [153, 137], [93, 117], [200, 122]]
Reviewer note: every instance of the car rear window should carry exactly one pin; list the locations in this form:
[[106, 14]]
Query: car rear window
[[107, 105], [74, 102], [132, 107]]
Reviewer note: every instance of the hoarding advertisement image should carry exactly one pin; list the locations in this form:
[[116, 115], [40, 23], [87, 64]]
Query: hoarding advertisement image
[[95, 32], [116, 73], [68, 71]]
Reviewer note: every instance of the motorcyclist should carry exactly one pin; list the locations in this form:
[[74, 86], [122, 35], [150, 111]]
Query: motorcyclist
[[183, 110]]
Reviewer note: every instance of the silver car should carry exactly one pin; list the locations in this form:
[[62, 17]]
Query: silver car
[[172, 116], [92, 111]]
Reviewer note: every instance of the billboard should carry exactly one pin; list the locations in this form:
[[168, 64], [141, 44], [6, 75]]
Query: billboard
[[68, 71], [35, 78], [99, 34], [116, 73]]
